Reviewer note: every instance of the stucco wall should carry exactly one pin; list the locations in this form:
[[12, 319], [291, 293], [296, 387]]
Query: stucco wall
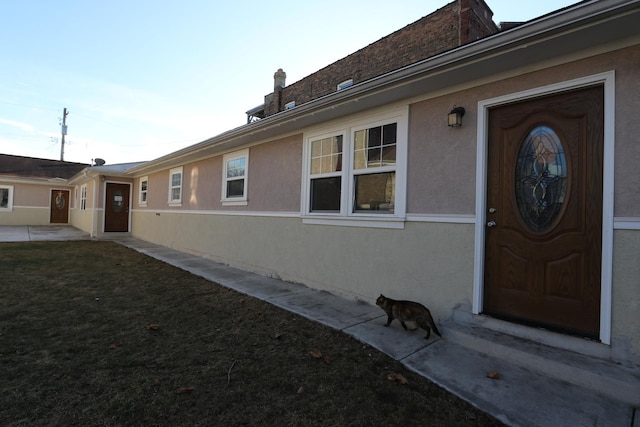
[[31, 203], [25, 216], [626, 295], [441, 171], [274, 172], [355, 262]]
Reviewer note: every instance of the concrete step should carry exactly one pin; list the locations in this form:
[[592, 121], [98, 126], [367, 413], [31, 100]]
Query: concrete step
[[603, 377], [519, 397]]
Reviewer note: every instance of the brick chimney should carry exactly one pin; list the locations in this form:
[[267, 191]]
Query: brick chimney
[[279, 79]]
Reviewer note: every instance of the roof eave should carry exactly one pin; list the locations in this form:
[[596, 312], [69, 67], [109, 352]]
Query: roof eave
[[583, 27]]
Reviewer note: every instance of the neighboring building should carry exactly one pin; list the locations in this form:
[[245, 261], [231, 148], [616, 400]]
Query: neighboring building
[[35, 191], [527, 211]]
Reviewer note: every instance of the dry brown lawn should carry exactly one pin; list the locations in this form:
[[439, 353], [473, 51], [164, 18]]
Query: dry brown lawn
[[95, 334]]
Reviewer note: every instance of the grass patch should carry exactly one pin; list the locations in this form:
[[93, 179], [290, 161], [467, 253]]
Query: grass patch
[[93, 333]]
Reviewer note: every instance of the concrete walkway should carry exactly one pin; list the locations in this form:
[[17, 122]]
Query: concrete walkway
[[537, 385]]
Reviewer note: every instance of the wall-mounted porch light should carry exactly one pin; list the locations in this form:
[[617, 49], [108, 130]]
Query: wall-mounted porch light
[[454, 119]]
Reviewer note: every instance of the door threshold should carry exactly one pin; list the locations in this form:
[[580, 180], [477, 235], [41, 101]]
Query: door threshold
[[585, 346]]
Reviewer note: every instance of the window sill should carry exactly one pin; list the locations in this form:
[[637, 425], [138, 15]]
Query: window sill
[[366, 222], [176, 204], [243, 202]]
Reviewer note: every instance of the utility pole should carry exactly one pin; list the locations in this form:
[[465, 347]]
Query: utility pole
[[65, 113]]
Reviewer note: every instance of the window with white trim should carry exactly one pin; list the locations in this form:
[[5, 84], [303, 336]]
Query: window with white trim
[[144, 187], [235, 178], [175, 186], [83, 197], [357, 171], [6, 197]]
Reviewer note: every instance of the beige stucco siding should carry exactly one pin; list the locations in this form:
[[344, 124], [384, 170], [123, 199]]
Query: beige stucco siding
[[357, 262], [626, 294], [441, 170], [273, 181], [31, 203], [25, 216], [274, 175], [441, 160], [627, 173]]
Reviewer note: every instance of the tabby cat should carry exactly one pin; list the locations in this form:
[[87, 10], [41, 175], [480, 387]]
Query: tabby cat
[[408, 311]]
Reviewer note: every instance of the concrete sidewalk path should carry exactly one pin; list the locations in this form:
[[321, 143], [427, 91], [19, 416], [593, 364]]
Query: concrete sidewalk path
[[31, 233]]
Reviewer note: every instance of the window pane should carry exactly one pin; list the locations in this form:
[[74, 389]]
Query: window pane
[[325, 194], [176, 179], [375, 192], [236, 167], [235, 188], [375, 147], [4, 197], [389, 155], [175, 194], [326, 155], [389, 133]]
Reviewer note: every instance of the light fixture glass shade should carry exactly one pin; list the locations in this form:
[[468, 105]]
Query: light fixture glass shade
[[454, 118]]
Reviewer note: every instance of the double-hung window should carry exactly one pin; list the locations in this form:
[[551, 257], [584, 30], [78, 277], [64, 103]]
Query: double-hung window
[[83, 197], [235, 178], [144, 187], [6, 197], [357, 172], [175, 186]]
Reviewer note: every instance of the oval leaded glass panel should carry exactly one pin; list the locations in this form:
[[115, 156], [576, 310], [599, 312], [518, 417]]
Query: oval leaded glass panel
[[541, 178]]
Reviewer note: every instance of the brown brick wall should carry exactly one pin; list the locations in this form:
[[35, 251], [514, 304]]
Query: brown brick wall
[[457, 23]]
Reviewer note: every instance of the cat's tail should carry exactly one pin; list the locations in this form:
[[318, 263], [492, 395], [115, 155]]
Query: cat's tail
[[432, 323]]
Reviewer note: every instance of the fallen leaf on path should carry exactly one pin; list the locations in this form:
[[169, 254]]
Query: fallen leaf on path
[[327, 360], [300, 390], [153, 327], [185, 389], [397, 378], [494, 375], [114, 345]]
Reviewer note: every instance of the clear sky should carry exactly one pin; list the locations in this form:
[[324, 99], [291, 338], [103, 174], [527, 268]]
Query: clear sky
[[143, 78]]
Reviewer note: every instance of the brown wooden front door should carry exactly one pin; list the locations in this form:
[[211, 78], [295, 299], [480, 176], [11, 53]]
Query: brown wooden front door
[[543, 244], [116, 213], [59, 212]]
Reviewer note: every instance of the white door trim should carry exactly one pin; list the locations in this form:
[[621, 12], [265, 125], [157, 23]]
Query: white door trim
[[607, 79]]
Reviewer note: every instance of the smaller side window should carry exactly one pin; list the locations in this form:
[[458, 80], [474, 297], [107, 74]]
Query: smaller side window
[[83, 197], [6, 197], [144, 186], [175, 186], [235, 177]]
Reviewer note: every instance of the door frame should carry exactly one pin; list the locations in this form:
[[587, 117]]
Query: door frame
[[104, 204], [607, 79]]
